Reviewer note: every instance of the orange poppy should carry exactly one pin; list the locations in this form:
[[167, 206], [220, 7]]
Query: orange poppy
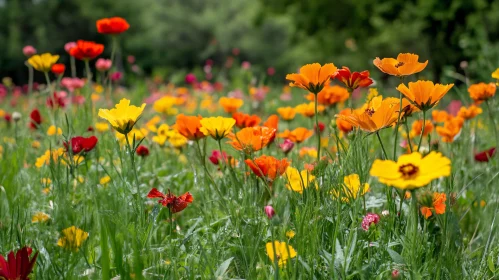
[[272, 122], [251, 139], [406, 64], [470, 112], [417, 126], [268, 167], [482, 91], [424, 94], [286, 113], [230, 104], [330, 95], [308, 109], [189, 126], [86, 50], [343, 125], [437, 205], [451, 129], [245, 120], [440, 116], [379, 113], [312, 77], [298, 135], [113, 26]]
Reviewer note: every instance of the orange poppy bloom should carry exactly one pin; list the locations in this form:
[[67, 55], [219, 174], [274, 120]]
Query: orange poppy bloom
[[267, 167], [417, 126], [470, 112], [286, 113], [58, 69], [251, 139], [298, 135], [86, 50], [440, 116], [437, 205], [230, 105], [113, 26], [308, 109], [189, 126], [450, 130], [272, 122], [482, 91], [424, 94], [353, 80], [330, 95], [343, 125], [312, 77], [245, 120], [379, 113], [406, 64]]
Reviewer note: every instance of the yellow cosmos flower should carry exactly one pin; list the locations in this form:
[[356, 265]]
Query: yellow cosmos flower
[[352, 188], [424, 94], [43, 62], [217, 127], [105, 180], [280, 251], [72, 238], [45, 158], [40, 217], [123, 117], [165, 104], [412, 170], [53, 130], [298, 181], [101, 126]]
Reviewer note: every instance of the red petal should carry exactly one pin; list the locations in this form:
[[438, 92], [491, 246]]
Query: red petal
[[154, 193]]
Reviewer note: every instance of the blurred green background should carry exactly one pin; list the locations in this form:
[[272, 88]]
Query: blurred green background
[[284, 34]]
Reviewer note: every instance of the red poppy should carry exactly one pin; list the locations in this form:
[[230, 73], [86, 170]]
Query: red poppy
[[114, 25], [58, 69], [353, 80], [142, 151], [486, 155], [18, 266], [245, 120], [216, 156], [80, 143], [36, 119], [174, 203], [86, 50]]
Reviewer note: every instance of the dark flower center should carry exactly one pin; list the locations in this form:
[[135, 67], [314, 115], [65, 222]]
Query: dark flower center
[[370, 112], [399, 64], [408, 170]]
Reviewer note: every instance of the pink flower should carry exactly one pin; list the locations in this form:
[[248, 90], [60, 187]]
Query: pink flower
[[103, 64], [269, 210], [369, 219], [130, 59], [216, 156], [69, 45], [287, 146], [286, 96], [454, 107], [395, 274], [72, 83], [271, 71], [116, 76], [237, 93], [29, 51], [246, 65], [190, 79], [235, 51]]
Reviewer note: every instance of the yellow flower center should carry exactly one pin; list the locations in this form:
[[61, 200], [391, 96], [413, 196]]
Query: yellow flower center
[[408, 170]]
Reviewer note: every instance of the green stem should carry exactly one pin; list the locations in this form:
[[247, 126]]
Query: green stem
[[414, 229], [491, 116], [317, 129], [73, 66], [422, 130], [30, 80], [397, 128], [382, 147], [408, 136], [222, 162]]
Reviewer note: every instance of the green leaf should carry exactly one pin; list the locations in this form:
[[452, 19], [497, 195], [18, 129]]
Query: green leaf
[[396, 257], [222, 269]]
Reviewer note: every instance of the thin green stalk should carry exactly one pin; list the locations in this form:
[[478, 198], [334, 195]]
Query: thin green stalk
[[317, 129], [397, 127], [30, 79], [73, 66], [492, 119], [414, 230], [382, 147], [422, 130], [408, 136]]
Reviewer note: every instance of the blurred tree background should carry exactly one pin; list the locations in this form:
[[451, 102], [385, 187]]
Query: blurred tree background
[[284, 34]]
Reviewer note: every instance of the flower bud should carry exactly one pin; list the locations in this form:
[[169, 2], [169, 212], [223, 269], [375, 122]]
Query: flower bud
[[29, 51], [103, 64], [287, 146], [16, 116], [269, 210]]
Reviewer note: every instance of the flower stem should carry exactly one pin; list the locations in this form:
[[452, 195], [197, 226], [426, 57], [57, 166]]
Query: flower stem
[[30, 80], [397, 128], [422, 130], [408, 136], [381, 143], [317, 129], [491, 116], [414, 229], [73, 66]]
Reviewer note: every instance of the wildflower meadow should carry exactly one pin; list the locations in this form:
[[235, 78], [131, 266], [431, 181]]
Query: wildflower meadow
[[235, 172]]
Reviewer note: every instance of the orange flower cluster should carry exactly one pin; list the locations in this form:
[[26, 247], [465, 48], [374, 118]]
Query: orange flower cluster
[[450, 129], [436, 205], [482, 91], [189, 127]]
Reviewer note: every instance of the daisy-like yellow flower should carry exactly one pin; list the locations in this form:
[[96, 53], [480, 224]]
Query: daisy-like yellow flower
[[308, 109], [101, 126], [123, 117], [280, 251], [105, 180], [40, 217], [411, 170], [405, 64], [217, 127], [45, 158], [72, 238], [43, 62], [470, 112], [161, 134], [290, 234], [165, 105], [298, 181], [53, 130], [312, 77], [424, 94], [352, 188]]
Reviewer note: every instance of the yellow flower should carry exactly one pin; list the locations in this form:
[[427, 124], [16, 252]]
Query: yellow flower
[[286, 113], [40, 217], [352, 188], [35, 144], [176, 139], [162, 134], [411, 170], [308, 151], [101, 126], [72, 238], [43, 62], [45, 158], [53, 130], [104, 180], [217, 127], [165, 105], [151, 124], [123, 117], [46, 181], [495, 74], [280, 251], [230, 105], [308, 109], [298, 181], [290, 234], [373, 92]]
